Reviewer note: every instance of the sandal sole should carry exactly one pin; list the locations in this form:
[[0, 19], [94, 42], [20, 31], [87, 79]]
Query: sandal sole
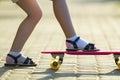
[[25, 65], [81, 50]]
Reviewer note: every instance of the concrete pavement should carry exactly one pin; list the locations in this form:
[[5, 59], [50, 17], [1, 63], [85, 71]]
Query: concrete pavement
[[97, 22]]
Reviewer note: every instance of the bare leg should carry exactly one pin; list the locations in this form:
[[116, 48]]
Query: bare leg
[[62, 15], [26, 27]]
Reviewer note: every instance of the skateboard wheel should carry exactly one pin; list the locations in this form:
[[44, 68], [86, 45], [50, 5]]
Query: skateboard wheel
[[55, 64]]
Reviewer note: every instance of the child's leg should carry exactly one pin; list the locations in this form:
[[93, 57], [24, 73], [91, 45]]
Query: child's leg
[[62, 15], [33, 11], [26, 27]]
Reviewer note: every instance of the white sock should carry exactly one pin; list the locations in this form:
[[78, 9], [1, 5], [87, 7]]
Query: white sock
[[15, 54], [72, 38], [81, 43]]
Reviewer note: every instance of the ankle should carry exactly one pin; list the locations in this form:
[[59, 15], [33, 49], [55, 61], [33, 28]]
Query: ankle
[[14, 53], [76, 42], [72, 38]]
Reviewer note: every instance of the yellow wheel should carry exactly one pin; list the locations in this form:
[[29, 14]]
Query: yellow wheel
[[118, 64], [55, 64]]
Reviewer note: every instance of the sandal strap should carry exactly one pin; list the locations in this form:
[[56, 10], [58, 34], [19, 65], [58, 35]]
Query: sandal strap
[[89, 47], [28, 61], [15, 58], [74, 42]]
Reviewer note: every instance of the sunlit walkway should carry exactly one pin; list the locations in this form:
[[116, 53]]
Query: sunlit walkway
[[96, 21]]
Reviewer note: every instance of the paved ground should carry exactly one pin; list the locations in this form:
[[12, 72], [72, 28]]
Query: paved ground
[[96, 21]]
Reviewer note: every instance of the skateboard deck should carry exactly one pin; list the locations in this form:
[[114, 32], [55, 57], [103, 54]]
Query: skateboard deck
[[82, 52]]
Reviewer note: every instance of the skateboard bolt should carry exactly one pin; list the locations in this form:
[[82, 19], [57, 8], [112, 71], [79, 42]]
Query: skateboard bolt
[[55, 63]]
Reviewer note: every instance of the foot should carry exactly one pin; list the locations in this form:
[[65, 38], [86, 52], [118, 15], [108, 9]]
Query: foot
[[18, 59], [80, 44]]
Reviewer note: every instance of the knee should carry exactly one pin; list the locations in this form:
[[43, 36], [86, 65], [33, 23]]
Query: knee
[[38, 15], [35, 16]]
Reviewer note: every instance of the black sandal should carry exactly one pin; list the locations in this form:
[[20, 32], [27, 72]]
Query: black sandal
[[27, 62], [74, 45], [89, 47]]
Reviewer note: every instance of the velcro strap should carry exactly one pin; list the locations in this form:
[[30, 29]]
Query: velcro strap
[[28, 60], [89, 47], [74, 42], [15, 58]]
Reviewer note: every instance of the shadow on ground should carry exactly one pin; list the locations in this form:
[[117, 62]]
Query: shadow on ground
[[4, 69], [51, 74], [96, 1]]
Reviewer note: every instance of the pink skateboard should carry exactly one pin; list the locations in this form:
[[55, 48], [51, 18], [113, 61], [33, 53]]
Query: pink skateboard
[[82, 52], [57, 60]]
